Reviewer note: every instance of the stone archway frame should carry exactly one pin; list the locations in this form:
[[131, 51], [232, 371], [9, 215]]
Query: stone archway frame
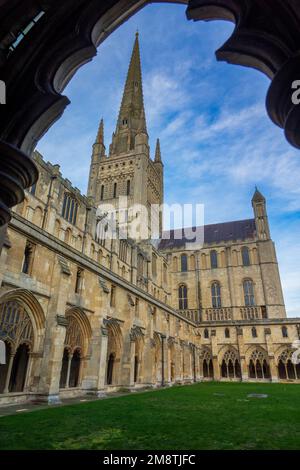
[[260, 349], [35, 312], [82, 320]]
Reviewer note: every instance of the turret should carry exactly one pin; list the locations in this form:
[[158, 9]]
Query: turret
[[261, 217], [97, 154]]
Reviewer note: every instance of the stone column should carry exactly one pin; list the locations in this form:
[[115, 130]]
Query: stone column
[[55, 332], [214, 349], [53, 359], [177, 361], [132, 363], [241, 349], [148, 361], [67, 384], [273, 367], [8, 375], [167, 363], [163, 359], [102, 361]]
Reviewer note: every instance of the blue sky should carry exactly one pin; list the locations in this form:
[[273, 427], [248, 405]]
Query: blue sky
[[217, 141]]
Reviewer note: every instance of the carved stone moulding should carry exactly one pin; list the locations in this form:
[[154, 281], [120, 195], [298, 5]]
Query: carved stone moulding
[[17, 172], [281, 109]]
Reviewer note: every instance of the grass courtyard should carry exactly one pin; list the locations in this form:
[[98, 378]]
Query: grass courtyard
[[201, 416]]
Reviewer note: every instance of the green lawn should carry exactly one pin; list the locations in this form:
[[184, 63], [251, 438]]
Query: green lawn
[[201, 416]]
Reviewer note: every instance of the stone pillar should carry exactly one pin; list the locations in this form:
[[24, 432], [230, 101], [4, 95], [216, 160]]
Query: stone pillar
[[125, 362], [163, 360], [214, 349], [68, 370], [102, 361], [244, 369], [241, 349], [167, 363], [132, 363], [55, 332], [197, 364], [177, 361], [8, 375], [53, 360], [273, 367], [148, 361]]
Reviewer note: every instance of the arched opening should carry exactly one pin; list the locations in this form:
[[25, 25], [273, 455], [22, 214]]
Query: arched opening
[[252, 372], [21, 327], [207, 365], [75, 369], [258, 366], [290, 370], [156, 359], [19, 369], [77, 339], [114, 352], [136, 368], [63, 383], [230, 365], [287, 370], [110, 368], [281, 370], [137, 344]]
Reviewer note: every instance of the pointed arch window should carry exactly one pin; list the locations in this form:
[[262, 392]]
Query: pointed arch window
[[227, 333], [284, 331], [254, 332], [128, 188], [213, 259], [102, 193], [206, 333], [184, 265], [249, 293], [115, 190], [216, 295], [245, 256], [28, 258], [70, 208], [183, 297]]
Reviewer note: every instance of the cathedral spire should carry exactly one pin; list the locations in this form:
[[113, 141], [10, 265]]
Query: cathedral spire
[[131, 120], [157, 158], [100, 134]]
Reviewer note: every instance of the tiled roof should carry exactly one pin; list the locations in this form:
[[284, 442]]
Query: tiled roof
[[213, 233]]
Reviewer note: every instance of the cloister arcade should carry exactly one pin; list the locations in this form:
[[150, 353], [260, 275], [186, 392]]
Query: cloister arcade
[[22, 326]]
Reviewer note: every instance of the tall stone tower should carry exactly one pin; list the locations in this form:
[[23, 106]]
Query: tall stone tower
[[128, 175], [269, 270]]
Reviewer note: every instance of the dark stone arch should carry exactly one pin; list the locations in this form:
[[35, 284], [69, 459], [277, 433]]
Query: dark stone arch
[[75, 369], [110, 368], [266, 37], [64, 369], [19, 369]]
